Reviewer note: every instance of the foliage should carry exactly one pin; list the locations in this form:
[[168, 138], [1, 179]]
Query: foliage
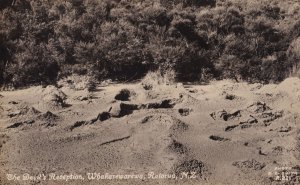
[[44, 41]]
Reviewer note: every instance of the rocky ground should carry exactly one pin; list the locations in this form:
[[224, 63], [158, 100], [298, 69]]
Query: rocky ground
[[221, 133]]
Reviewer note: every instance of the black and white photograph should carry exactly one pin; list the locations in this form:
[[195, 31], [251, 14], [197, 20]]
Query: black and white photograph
[[149, 92]]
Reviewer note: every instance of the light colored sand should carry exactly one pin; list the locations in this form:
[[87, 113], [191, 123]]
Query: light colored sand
[[228, 133]]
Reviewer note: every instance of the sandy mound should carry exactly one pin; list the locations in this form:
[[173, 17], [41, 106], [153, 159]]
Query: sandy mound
[[178, 148], [158, 133], [192, 168], [48, 116], [22, 111], [54, 97], [37, 119], [186, 99], [19, 124], [286, 94], [247, 165], [290, 85]]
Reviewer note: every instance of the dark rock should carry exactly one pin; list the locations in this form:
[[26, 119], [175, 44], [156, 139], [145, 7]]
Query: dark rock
[[225, 116], [123, 95], [122, 109], [229, 128], [146, 119], [13, 102], [104, 116], [14, 114], [258, 107], [285, 129], [164, 104], [77, 124], [217, 138], [184, 111], [230, 97]]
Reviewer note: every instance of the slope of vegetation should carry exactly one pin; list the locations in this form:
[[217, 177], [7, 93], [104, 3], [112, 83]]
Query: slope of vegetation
[[42, 41]]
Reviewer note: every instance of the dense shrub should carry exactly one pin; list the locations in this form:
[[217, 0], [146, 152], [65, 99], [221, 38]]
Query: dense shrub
[[43, 41], [186, 3]]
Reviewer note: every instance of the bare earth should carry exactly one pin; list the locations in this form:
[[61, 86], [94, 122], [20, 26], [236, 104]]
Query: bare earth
[[222, 133]]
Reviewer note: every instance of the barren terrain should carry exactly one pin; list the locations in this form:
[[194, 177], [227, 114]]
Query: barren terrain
[[221, 133]]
